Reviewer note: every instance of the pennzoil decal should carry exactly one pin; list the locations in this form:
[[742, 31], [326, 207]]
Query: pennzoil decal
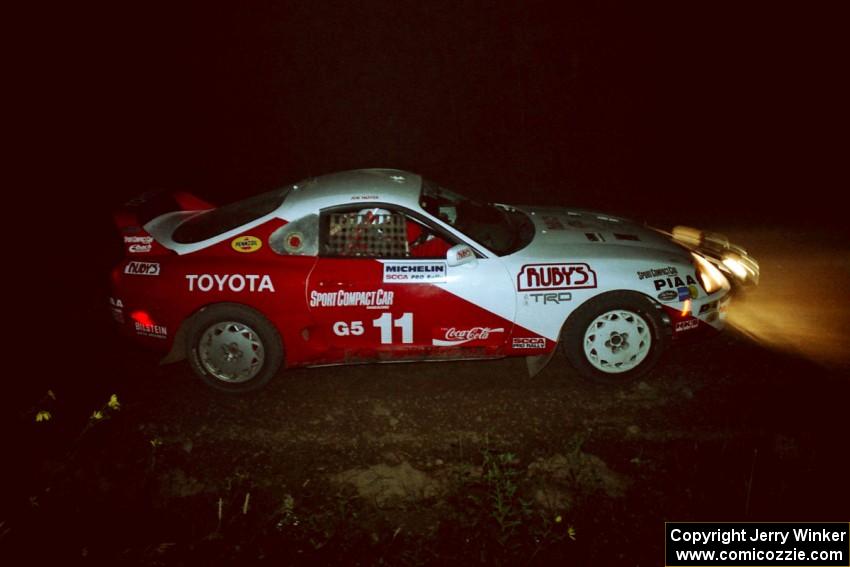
[[533, 277], [142, 269], [246, 244], [415, 272]]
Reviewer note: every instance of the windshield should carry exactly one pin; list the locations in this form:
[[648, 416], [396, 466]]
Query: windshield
[[504, 230]]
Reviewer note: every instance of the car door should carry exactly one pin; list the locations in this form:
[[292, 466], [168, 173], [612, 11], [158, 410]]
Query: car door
[[382, 289]]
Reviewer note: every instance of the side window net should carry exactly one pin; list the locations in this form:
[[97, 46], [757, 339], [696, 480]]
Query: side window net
[[367, 234]]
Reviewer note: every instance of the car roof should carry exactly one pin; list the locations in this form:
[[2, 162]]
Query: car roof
[[392, 186]]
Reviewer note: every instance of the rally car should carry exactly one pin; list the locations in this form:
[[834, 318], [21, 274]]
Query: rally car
[[382, 265]]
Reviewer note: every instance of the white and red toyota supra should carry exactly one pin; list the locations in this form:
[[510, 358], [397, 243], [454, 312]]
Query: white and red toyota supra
[[382, 265]]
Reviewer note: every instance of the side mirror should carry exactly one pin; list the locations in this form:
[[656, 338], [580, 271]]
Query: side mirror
[[460, 254]]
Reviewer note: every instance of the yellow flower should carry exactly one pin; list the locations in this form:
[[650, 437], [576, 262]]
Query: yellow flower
[[558, 519], [43, 415], [97, 415], [571, 531], [51, 394], [113, 402], [156, 442]]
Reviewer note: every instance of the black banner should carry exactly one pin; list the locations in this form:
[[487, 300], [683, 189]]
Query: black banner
[[758, 544]]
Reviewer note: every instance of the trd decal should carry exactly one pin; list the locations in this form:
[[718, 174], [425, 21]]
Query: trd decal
[[528, 342], [142, 269], [246, 244], [377, 299], [453, 336], [549, 297], [415, 272], [534, 277], [229, 282]]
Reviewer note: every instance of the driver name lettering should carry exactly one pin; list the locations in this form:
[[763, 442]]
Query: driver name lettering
[[229, 282], [414, 272], [555, 276], [370, 299]]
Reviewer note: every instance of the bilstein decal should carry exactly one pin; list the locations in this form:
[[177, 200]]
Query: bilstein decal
[[415, 272], [246, 244], [534, 277], [155, 331], [229, 282]]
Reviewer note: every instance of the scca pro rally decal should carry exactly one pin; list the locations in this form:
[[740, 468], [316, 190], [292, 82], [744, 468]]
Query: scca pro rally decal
[[377, 299], [246, 244], [415, 272], [555, 276], [453, 336], [142, 269], [528, 342], [229, 282]]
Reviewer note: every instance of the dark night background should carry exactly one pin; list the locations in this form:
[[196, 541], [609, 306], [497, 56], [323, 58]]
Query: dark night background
[[702, 114]]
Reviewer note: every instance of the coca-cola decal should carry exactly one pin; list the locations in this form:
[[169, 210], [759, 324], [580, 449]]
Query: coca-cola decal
[[454, 336], [555, 276]]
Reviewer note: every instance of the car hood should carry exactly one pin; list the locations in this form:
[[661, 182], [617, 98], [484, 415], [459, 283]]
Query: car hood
[[595, 234]]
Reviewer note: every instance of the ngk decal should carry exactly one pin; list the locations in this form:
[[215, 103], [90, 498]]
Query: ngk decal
[[155, 331], [528, 342], [229, 282], [414, 272], [453, 336], [142, 269], [377, 299], [555, 276]]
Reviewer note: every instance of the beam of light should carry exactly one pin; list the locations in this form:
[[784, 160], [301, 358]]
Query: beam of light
[[802, 303], [142, 317]]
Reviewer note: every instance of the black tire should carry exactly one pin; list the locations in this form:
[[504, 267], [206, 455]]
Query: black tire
[[248, 362], [636, 313]]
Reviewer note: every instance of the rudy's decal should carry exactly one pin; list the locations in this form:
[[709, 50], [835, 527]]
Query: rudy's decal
[[453, 336], [549, 297], [229, 282], [656, 272], [668, 295], [674, 282], [142, 269], [415, 272], [246, 244], [377, 299], [688, 325], [155, 331], [533, 277], [528, 342]]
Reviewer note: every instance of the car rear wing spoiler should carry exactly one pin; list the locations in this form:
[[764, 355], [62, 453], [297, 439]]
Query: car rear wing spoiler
[[135, 213], [715, 247]]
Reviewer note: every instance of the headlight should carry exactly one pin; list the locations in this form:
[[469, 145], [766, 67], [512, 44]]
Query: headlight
[[712, 279]]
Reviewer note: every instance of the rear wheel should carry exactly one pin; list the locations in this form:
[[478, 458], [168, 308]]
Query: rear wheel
[[233, 348], [616, 337]]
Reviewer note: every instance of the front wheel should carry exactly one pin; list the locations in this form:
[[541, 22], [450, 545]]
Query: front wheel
[[616, 337], [233, 348]]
